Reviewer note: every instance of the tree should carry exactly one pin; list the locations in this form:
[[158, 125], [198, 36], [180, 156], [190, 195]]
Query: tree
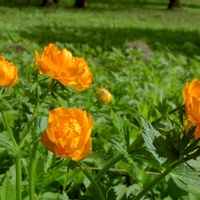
[[81, 3], [78, 3], [49, 2], [84, 3], [174, 4]]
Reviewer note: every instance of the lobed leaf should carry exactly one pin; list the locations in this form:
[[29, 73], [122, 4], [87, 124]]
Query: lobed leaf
[[187, 177]]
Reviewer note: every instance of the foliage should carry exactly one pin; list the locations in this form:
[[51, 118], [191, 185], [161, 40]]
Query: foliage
[[146, 89]]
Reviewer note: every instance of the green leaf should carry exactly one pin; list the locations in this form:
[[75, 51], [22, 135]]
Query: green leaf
[[143, 156], [126, 193], [53, 196], [93, 192], [34, 86], [152, 138], [165, 147], [99, 154], [111, 194], [185, 146], [162, 107], [6, 104], [119, 148], [7, 93], [32, 97], [72, 164], [2, 127], [26, 108], [129, 197], [121, 126], [5, 139], [123, 197], [7, 190], [187, 177], [124, 130], [6, 143], [118, 53], [115, 121], [86, 197]]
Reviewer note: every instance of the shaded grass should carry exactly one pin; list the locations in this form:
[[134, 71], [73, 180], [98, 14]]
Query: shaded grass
[[107, 38], [194, 4], [95, 32], [107, 28]]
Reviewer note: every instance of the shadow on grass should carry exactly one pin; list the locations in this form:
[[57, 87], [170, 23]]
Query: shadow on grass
[[144, 3], [176, 41], [99, 3], [33, 3]]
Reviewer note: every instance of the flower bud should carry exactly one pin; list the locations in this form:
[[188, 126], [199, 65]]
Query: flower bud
[[8, 73], [35, 65], [104, 96]]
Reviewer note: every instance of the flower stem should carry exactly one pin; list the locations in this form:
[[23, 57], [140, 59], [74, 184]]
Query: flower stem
[[32, 172], [94, 183], [176, 109], [169, 113], [17, 158], [108, 166], [115, 160], [26, 130], [134, 142], [18, 178], [121, 156], [29, 124], [8, 128], [47, 91]]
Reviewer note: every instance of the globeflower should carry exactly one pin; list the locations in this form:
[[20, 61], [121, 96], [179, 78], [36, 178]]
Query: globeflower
[[8, 73], [68, 133], [104, 96], [62, 66], [191, 95]]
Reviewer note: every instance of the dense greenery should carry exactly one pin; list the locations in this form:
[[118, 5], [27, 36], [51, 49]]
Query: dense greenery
[[141, 52]]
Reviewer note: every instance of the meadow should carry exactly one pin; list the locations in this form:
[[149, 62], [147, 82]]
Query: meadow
[[143, 54]]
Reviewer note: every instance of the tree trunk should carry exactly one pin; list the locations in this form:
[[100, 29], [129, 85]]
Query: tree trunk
[[81, 3], [174, 4], [48, 2]]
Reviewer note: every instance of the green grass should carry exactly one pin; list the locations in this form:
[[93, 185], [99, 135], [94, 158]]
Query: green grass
[[100, 34], [173, 36]]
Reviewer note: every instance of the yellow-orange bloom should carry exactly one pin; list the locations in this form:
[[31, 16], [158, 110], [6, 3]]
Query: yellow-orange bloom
[[8, 73], [191, 95], [68, 133], [104, 96], [62, 66]]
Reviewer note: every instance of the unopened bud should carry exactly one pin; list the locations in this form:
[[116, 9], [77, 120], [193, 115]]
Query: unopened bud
[[35, 65], [104, 96]]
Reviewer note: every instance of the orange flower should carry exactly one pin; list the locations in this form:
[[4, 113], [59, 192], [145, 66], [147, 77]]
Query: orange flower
[[62, 66], [68, 133], [191, 95], [8, 73], [104, 96]]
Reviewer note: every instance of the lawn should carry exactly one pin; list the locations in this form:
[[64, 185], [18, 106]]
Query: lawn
[[139, 51]]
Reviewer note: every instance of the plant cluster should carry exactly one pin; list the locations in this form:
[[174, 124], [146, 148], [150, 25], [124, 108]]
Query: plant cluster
[[99, 137]]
